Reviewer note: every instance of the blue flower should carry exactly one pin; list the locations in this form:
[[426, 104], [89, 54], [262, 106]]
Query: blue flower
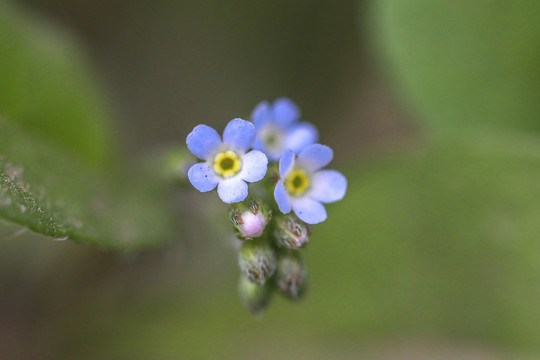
[[227, 165], [304, 186], [278, 128]]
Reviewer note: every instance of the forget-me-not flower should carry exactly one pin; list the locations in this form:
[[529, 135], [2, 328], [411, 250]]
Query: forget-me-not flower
[[278, 128], [303, 186], [227, 164]]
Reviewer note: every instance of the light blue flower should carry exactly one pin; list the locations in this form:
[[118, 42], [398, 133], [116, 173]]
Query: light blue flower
[[227, 165], [278, 128], [303, 186]]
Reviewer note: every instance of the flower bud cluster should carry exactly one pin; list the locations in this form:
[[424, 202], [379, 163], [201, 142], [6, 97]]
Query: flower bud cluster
[[278, 156], [269, 256]]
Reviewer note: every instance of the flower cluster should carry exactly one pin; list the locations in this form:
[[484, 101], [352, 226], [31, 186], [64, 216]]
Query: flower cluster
[[279, 155]]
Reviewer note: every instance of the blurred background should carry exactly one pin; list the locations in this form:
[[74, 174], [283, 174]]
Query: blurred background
[[432, 109]]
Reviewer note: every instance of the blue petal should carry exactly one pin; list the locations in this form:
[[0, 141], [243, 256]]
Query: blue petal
[[282, 199], [232, 190], [239, 134], [203, 141], [272, 156], [309, 210], [285, 112], [261, 114], [286, 162], [254, 166], [259, 145], [301, 136], [315, 156], [202, 177], [328, 186]]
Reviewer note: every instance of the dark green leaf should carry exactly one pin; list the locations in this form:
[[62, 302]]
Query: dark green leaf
[[53, 194]]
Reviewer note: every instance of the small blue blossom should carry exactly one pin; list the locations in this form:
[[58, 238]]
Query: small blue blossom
[[278, 128], [303, 186], [227, 164]]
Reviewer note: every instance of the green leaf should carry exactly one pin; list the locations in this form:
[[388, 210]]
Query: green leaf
[[52, 127], [48, 87], [52, 193], [461, 62]]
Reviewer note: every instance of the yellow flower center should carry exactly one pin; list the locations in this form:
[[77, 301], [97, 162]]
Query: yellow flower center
[[227, 164], [296, 182]]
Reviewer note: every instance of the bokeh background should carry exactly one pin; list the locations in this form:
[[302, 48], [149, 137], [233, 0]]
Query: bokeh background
[[432, 109]]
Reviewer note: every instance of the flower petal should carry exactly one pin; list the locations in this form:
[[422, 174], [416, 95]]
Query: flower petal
[[232, 190], [285, 112], [254, 166], [273, 156], [309, 210], [286, 162], [282, 199], [328, 186], [259, 145], [239, 134], [301, 136], [202, 177], [261, 114], [315, 156], [202, 141]]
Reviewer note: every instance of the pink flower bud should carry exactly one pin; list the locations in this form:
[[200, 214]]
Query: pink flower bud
[[249, 219], [252, 225]]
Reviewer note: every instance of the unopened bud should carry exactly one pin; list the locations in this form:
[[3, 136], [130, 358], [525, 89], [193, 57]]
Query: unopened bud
[[170, 164], [255, 297], [291, 275], [257, 260], [249, 218], [174, 164], [291, 232]]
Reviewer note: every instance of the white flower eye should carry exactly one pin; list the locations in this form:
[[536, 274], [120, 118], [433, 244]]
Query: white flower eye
[[272, 138]]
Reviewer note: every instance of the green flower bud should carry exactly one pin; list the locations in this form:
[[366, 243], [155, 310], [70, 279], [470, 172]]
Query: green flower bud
[[290, 232], [255, 297], [249, 218], [170, 164], [291, 274], [257, 260]]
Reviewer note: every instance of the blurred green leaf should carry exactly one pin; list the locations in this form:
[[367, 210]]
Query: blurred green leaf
[[52, 193], [53, 126], [47, 86], [461, 62]]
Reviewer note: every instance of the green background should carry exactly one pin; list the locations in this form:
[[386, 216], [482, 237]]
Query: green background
[[431, 108]]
